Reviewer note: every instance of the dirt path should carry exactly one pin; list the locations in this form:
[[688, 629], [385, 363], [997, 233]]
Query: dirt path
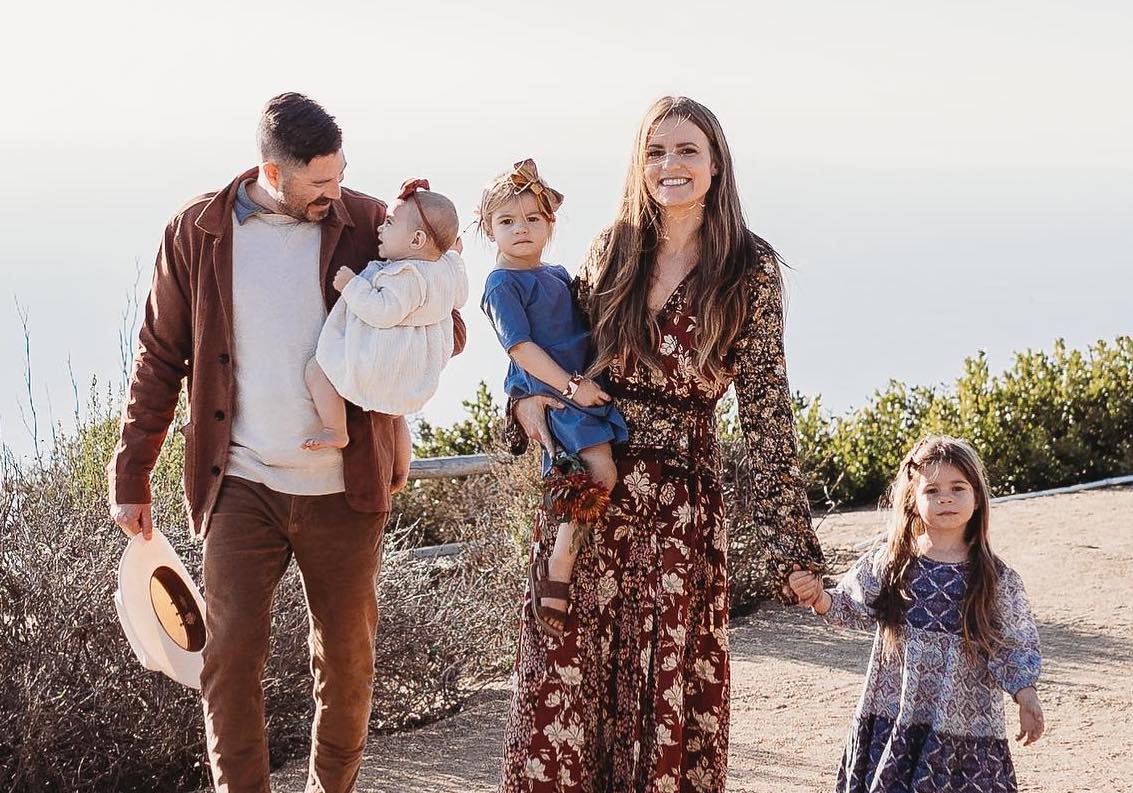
[[795, 681]]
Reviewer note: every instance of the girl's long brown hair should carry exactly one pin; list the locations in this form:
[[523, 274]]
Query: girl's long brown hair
[[979, 617], [623, 327]]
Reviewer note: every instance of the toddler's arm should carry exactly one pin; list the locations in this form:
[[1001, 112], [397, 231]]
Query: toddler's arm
[[505, 305], [536, 362], [389, 302]]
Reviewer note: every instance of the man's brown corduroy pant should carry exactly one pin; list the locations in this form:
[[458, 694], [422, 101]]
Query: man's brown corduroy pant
[[252, 535]]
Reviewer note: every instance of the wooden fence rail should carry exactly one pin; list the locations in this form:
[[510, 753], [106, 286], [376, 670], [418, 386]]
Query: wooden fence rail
[[448, 467]]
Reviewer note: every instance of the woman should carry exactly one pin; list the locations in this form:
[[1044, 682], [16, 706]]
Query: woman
[[683, 300]]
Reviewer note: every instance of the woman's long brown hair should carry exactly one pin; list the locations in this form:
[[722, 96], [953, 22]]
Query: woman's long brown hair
[[979, 616], [623, 327]]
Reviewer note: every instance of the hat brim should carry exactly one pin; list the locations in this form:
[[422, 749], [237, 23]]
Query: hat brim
[[161, 609]]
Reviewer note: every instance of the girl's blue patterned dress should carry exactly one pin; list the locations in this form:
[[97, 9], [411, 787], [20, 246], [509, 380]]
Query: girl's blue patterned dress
[[931, 720], [535, 305]]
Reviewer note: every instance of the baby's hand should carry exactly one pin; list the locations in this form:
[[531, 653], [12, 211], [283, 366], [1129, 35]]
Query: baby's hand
[[806, 586], [589, 395], [344, 276], [1031, 722]]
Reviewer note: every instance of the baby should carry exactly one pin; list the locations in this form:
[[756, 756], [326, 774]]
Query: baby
[[388, 337]]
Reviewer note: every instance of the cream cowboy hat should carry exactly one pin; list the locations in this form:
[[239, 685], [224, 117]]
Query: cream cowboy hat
[[161, 610]]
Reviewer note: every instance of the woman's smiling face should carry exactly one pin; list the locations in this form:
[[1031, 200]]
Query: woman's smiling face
[[678, 163]]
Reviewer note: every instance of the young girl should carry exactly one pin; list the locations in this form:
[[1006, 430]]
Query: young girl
[[953, 628], [530, 306]]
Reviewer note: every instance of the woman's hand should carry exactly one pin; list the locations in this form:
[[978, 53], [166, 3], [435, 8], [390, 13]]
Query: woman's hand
[[344, 276], [531, 413], [1031, 724], [589, 395]]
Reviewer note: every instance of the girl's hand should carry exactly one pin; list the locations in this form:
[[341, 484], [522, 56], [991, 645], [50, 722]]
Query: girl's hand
[[1031, 724], [344, 276], [807, 587], [531, 413], [589, 395]]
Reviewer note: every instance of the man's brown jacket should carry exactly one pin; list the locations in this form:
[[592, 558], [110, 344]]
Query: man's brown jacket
[[187, 332]]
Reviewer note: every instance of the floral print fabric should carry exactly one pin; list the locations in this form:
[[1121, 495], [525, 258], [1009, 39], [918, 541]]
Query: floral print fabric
[[634, 697]]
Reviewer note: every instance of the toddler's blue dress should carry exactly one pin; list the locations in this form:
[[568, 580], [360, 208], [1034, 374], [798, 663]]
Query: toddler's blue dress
[[535, 305]]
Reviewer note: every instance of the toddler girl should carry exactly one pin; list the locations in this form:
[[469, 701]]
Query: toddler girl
[[544, 333], [953, 627], [388, 337]]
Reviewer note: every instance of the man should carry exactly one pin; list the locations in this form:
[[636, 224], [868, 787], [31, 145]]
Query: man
[[240, 291]]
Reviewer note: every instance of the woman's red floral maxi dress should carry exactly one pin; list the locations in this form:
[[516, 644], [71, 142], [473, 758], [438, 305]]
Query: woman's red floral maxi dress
[[634, 697]]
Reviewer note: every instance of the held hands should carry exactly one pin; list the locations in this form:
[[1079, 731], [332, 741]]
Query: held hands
[[589, 395], [344, 276], [808, 590], [133, 518], [1031, 724]]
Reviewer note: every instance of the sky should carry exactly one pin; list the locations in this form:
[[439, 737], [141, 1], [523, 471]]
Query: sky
[[941, 178]]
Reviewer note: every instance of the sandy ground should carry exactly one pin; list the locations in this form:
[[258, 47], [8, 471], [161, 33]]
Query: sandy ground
[[796, 681]]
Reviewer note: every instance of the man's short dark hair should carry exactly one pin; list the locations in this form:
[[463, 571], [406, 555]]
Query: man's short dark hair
[[295, 129]]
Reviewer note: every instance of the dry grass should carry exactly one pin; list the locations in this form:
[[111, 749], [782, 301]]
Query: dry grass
[[80, 714]]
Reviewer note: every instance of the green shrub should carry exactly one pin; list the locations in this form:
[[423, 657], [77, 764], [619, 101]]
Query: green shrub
[[1051, 419]]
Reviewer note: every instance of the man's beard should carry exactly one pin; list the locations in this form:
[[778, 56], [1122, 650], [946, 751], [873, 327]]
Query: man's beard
[[311, 212]]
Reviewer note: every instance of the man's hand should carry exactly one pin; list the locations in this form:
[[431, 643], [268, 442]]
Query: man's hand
[[344, 276], [133, 518], [531, 414], [589, 395]]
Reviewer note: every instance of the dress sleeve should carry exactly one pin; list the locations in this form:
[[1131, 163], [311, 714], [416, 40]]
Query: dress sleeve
[[1016, 663], [503, 303], [389, 300], [780, 509], [851, 600]]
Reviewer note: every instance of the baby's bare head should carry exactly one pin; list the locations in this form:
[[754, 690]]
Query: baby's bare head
[[418, 223], [436, 215]]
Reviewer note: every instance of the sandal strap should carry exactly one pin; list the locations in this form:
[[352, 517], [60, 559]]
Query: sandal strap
[[546, 588], [554, 613]]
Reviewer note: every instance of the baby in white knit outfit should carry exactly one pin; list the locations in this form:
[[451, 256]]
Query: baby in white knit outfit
[[390, 333]]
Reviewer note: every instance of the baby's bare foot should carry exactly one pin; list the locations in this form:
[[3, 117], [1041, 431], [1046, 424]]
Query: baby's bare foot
[[326, 438]]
